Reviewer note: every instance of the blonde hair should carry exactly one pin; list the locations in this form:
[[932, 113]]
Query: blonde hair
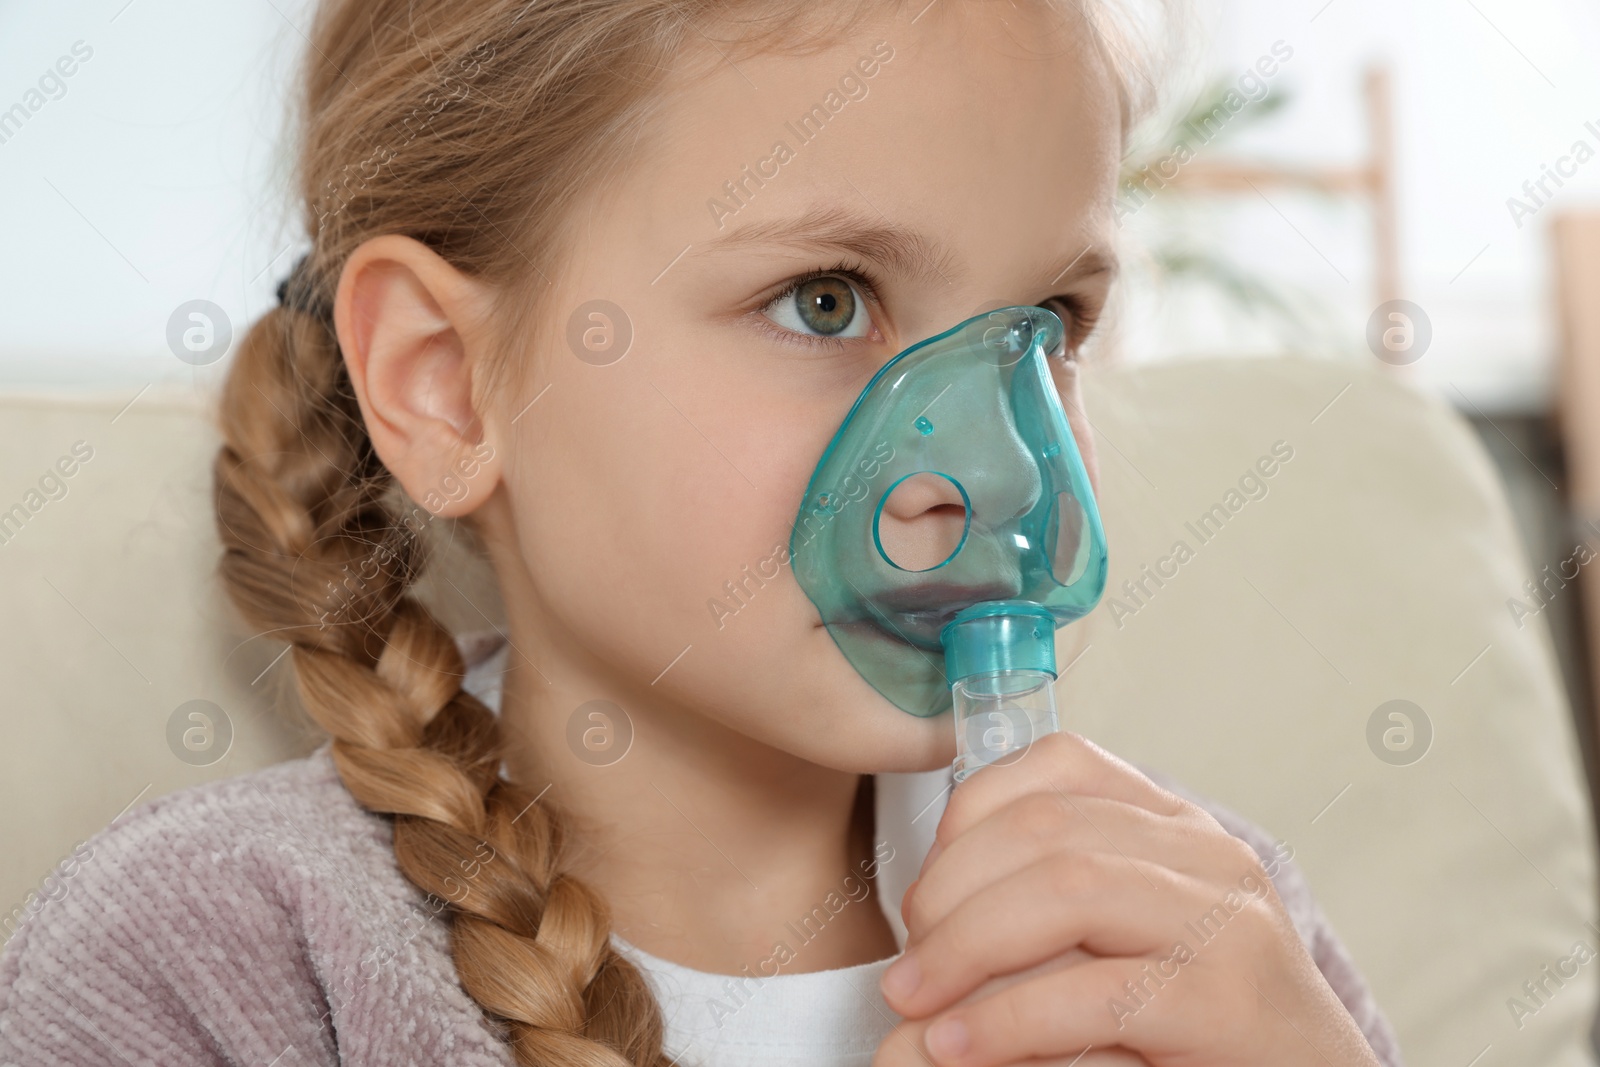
[[472, 127]]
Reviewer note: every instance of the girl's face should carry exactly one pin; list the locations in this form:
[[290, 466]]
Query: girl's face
[[923, 169]]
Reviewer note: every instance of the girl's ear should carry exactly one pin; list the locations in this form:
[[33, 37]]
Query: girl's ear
[[412, 329]]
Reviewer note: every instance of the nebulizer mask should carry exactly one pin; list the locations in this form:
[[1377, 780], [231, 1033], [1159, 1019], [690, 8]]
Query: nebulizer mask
[[949, 528]]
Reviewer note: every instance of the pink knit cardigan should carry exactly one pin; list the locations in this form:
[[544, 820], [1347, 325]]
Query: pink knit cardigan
[[262, 920]]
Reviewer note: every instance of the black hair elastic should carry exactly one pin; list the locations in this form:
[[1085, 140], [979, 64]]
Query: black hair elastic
[[297, 292]]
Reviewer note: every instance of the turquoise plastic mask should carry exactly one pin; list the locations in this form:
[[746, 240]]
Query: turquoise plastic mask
[[953, 480]]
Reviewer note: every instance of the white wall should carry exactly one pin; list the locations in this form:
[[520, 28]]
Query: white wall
[[150, 182], [154, 179]]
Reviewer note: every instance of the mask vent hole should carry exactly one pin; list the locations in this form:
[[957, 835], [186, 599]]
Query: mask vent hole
[[922, 521]]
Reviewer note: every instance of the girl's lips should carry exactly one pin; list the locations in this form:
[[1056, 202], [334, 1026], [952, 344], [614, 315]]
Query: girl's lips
[[916, 614], [942, 596]]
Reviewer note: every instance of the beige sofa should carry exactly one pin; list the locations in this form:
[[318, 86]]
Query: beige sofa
[[1373, 564]]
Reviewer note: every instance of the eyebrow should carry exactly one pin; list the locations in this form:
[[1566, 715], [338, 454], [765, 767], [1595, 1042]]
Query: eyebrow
[[896, 248]]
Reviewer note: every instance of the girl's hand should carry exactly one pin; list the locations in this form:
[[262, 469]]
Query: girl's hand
[[1069, 903]]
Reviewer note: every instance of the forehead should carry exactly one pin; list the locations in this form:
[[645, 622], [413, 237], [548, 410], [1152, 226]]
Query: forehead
[[990, 126]]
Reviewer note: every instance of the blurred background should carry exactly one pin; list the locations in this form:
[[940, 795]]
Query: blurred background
[[1313, 162], [1332, 170], [1414, 185]]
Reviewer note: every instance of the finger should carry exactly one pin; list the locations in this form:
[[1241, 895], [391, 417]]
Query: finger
[[903, 1047], [1061, 762], [1098, 901], [1098, 1004], [1186, 1007], [1038, 825], [1095, 1057]]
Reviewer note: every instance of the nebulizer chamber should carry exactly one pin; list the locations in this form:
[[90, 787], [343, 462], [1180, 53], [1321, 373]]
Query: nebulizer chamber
[[1000, 658], [962, 433]]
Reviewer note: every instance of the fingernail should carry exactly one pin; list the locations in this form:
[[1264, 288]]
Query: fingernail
[[902, 978], [947, 1038]]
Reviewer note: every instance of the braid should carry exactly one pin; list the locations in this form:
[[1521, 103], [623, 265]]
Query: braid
[[300, 503]]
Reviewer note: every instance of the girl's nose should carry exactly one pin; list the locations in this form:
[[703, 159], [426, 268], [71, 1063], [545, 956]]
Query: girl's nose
[[923, 522]]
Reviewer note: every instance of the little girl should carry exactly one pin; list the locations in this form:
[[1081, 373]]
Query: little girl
[[599, 278]]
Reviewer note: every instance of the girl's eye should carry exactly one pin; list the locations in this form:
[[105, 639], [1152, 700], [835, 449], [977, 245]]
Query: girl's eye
[[825, 306], [1078, 320]]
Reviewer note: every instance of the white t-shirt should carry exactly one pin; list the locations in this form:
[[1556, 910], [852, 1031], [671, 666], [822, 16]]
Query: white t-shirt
[[833, 1018]]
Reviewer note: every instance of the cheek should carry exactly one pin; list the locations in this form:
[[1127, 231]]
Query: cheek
[[634, 520], [1091, 458], [1067, 384]]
